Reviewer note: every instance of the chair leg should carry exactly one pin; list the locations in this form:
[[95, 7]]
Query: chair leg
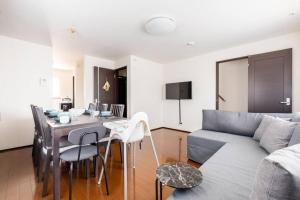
[[46, 173], [105, 175], [105, 159], [125, 170], [95, 162], [121, 152], [33, 145], [70, 180], [42, 160], [154, 151]]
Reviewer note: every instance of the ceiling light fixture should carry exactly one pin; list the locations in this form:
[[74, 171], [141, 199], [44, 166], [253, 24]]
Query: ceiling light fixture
[[160, 25]]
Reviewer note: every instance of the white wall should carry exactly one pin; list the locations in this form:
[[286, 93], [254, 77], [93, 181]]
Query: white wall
[[62, 86], [233, 85], [22, 64], [145, 80], [202, 71], [88, 77], [79, 87]]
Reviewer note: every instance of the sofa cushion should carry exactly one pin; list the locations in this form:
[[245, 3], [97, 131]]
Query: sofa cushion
[[277, 134], [229, 172], [266, 121], [278, 176], [239, 123], [295, 139], [202, 144]]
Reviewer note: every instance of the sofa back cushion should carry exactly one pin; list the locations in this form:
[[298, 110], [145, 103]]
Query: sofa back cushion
[[278, 176], [239, 123], [295, 137], [277, 135]]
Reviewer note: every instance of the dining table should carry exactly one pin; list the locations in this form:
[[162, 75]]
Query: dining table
[[59, 130]]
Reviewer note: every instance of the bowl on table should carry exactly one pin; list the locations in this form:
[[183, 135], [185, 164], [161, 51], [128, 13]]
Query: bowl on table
[[76, 112], [53, 113], [63, 118], [106, 114], [47, 112]]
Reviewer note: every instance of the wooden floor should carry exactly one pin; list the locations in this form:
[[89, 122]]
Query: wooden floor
[[18, 180]]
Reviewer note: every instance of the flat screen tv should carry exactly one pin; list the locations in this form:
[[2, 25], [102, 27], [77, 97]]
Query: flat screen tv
[[180, 90]]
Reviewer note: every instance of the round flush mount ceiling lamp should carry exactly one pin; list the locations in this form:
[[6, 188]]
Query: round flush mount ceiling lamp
[[160, 25]]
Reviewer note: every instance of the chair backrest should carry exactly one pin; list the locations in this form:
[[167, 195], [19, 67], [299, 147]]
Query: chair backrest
[[34, 117], [117, 109], [43, 127], [138, 127], [86, 135], [92, 107]]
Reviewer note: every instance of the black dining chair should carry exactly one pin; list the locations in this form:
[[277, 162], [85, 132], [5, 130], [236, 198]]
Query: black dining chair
[[88, 147]]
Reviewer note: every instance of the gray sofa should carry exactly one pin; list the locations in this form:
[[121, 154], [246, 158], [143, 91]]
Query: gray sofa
[[228, 154]]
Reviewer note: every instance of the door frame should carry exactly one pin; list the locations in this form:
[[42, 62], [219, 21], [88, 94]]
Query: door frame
[[218, 76]]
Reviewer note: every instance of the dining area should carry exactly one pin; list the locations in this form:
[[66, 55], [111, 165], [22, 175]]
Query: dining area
[[82, 140]]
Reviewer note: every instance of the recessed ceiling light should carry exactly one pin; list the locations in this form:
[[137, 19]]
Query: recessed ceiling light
[[160, 25], [191, 43]]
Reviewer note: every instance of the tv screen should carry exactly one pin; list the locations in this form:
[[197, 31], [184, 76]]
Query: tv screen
[[181, 90]]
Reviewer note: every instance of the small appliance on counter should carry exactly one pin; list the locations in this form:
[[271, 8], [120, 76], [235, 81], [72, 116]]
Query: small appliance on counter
[[66, 104]]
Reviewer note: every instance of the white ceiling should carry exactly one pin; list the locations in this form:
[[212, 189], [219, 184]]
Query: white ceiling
[[114, 28]]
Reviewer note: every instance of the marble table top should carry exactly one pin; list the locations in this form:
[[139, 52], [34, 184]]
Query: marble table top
[[179, 175]]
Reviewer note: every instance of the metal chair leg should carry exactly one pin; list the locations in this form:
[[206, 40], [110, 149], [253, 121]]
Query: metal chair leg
[[95, 162], [70, 180], [105, 159], [154, 151], [125, 171], [105, 175]]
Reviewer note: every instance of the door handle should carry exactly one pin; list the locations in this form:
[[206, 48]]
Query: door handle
[[287, 102]]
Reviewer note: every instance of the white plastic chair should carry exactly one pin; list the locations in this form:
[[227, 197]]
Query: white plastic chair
[[137, 128]]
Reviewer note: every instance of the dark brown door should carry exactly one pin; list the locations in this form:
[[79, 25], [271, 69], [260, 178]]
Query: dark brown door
[[270, 82], [101, 75]]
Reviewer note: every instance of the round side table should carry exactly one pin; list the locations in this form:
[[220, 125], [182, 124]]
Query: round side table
[[176, 175]]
